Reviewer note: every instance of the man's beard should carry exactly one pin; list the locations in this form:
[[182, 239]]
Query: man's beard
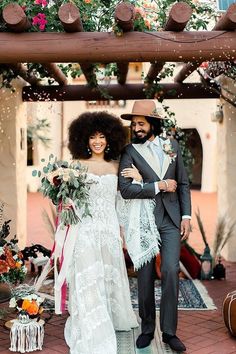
[[137, 140]]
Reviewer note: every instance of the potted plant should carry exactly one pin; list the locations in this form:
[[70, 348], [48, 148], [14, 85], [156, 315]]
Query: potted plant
[[12, 268]]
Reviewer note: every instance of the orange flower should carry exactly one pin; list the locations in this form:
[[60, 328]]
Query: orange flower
[[147, 24], [33, 309], [87, 1], [17, 264], [3, 266], [11, 262], [25, 305]]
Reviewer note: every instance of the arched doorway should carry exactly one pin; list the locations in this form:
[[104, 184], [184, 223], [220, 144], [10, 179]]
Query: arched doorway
[[195, 145]]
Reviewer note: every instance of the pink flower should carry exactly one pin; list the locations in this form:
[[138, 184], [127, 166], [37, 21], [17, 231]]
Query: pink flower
[[41, 2], [40, 21]]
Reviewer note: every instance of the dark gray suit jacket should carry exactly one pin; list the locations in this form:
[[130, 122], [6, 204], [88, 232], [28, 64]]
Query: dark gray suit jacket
[[176, 203]]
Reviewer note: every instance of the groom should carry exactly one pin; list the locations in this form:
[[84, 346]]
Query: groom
[[160, 163]]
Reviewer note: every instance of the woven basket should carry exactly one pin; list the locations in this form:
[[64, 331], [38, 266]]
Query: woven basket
[[229, 312]]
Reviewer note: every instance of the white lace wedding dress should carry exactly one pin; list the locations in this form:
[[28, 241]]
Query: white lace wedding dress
[[99, 297]]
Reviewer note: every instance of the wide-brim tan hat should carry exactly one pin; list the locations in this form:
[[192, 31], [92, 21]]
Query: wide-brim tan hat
[[145, 108]]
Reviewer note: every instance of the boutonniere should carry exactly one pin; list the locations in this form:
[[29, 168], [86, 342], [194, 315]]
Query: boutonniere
[[168, 149]]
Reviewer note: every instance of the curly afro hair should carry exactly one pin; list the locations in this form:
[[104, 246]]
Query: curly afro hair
[[89, 123]]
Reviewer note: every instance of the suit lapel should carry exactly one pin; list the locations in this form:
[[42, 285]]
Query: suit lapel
[[146, 153], [166, 163], [167, 159]]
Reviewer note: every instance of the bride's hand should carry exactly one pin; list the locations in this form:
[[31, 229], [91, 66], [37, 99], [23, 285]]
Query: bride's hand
[[131, 172]]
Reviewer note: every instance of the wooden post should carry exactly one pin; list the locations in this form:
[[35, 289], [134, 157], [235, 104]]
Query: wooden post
[[15, 18]]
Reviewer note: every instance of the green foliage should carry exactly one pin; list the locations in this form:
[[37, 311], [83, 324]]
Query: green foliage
[[38, 131]]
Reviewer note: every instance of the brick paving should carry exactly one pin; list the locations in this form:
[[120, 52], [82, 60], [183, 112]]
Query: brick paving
[[203, 332]]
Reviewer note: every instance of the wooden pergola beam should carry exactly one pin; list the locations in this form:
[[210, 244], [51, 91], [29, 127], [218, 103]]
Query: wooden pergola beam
[[101, 47], [185, 71], [153, 71], [55, 72], [15, 18], [124, 16], [178, 18], [226, 23], [118, 92], [123, 69], [69, 16]]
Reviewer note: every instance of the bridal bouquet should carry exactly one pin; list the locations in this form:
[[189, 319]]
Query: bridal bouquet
[[67, 186]]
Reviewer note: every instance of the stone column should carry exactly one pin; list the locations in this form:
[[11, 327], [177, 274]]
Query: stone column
[[13, 154], [226, 158]]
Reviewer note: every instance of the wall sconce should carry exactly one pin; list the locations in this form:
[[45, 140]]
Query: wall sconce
[[218, 115]]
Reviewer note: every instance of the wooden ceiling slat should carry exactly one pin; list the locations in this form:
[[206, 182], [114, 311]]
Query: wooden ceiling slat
[[118, 92], [15, 18], [226, 23], [55, 72]]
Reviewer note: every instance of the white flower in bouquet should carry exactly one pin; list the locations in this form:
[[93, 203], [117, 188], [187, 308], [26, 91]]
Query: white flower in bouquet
[[66, 184], [12, 302]]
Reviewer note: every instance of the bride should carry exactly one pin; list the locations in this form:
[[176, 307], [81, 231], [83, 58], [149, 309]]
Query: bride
[[99, 297]]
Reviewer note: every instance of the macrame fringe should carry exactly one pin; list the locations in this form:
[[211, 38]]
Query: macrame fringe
[[26, 337]]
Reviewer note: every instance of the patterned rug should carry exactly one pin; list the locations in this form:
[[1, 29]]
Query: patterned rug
[[192, 295]]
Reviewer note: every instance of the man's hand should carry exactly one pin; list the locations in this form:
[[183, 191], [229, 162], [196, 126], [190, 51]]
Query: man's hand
[[185, 229], [132, 172], [167, 185]]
